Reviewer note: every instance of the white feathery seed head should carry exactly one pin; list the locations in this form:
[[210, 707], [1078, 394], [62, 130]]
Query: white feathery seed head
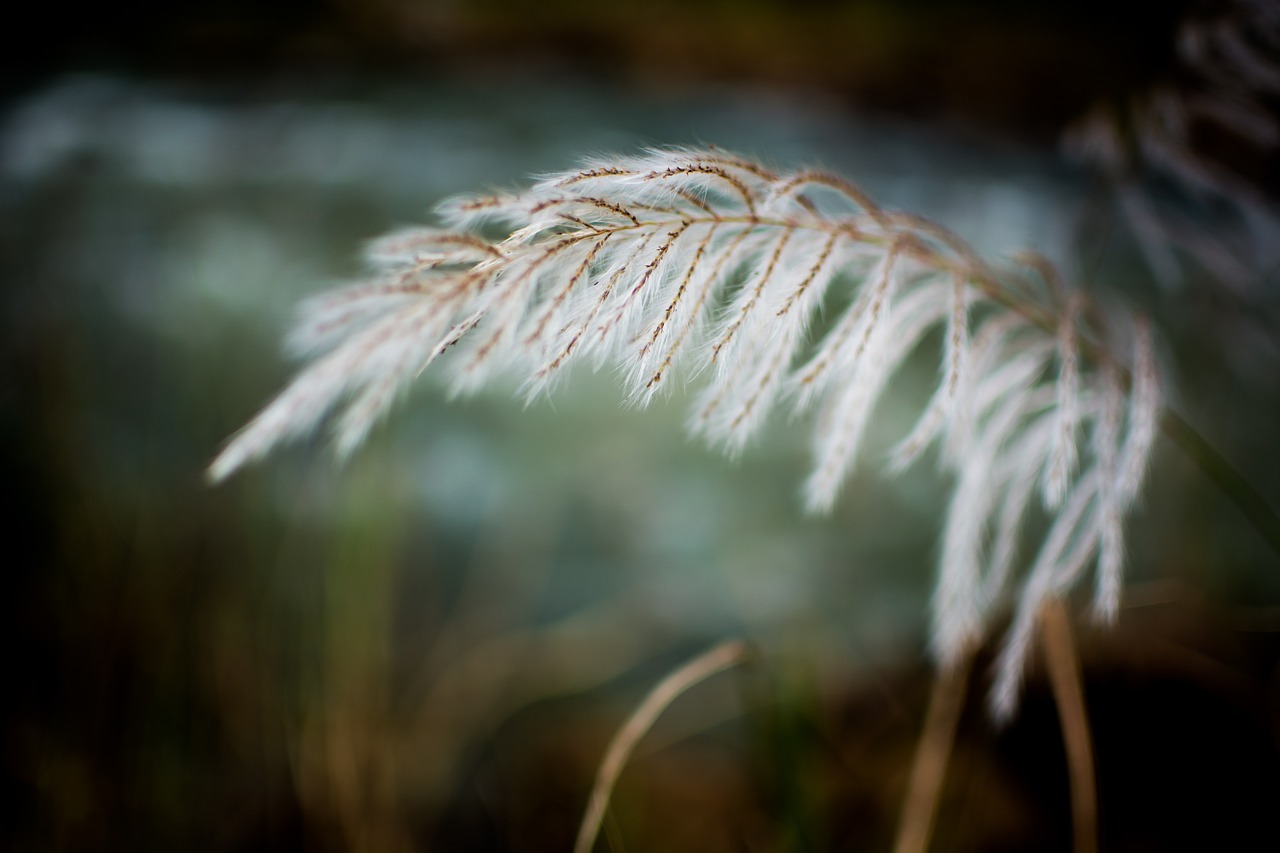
[[702, 264]]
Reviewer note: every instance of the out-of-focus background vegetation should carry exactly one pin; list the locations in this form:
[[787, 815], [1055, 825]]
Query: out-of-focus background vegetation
[[428, 647]]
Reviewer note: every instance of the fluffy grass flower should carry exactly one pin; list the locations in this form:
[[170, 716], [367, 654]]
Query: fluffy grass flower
[[708, 265]]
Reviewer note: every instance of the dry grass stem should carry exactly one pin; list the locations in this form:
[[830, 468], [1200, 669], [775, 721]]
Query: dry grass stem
[[717, 659], [1068, 695], [933, 753]]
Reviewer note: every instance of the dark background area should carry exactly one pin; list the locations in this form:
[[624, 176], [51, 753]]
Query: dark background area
[[1030, 68]]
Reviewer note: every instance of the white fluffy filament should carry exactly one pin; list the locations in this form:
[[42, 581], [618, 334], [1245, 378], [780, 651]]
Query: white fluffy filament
[[706, 260]]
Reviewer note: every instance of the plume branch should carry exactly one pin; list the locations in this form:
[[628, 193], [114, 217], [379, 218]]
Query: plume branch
[[707, 260]]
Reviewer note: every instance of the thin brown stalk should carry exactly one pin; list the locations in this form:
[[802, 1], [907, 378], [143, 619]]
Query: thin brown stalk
[[1068, 695], [728, 654], [933, 752], [748, 197], [760, 285]]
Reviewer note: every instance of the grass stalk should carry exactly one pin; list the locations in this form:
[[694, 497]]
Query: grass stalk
[[1068, 695], [933, 753], [724, 656]]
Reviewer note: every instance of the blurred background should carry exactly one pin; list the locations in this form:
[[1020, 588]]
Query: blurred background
[[428, 647]]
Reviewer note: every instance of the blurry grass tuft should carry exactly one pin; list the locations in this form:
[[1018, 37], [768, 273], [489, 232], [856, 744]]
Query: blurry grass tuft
[[708, 261]]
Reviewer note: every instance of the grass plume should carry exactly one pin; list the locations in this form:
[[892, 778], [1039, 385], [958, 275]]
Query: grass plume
[[706, 261]]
